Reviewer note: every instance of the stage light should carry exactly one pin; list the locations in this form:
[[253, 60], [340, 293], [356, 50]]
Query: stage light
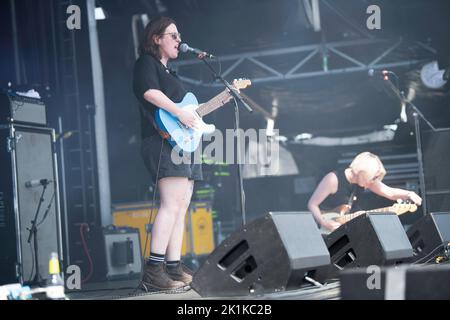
[[432, 77], [100, 14]]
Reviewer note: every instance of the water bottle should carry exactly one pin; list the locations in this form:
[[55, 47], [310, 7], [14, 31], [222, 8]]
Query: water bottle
[[55, 284]]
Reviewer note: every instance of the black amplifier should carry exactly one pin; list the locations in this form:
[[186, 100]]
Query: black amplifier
[[116, 252], [20, 109]]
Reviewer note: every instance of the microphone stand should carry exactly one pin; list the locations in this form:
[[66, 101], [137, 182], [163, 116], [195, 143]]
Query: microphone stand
[[417, 114], [237, 97], [37, 280]]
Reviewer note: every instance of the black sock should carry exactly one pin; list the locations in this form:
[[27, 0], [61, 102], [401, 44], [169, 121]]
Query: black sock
[[155, 259], [172, 264]]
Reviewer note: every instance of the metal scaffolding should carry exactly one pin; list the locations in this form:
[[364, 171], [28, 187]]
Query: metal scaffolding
[[313, 60]]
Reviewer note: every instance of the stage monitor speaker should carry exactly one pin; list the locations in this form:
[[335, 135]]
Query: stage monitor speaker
[[273, 253], [370, 239], [117, 253], [436, 161], [27, 157], [429, 235], [407, 282]]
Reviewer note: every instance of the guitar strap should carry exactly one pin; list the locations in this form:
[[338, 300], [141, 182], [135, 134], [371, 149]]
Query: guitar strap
[[150, 118], [351, 198]]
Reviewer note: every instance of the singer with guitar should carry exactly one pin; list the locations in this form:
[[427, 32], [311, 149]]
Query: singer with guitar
[[341, 189], [159, 89]]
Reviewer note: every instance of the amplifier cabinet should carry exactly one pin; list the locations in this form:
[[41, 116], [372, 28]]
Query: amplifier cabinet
[[27, 156]]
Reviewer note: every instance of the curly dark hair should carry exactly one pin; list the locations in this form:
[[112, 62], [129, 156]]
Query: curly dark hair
[[155, 27]]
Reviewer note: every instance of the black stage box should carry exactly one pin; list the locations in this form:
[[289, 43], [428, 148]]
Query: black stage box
[[408, 282]]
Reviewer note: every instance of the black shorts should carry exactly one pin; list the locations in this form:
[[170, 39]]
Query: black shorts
[[150, 151]]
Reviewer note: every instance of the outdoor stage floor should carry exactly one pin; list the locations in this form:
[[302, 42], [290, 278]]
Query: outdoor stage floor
[[433, 279], [126, 290]]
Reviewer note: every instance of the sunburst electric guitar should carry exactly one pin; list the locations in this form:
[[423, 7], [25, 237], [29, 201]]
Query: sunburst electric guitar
[[188, 139], [338, 216]]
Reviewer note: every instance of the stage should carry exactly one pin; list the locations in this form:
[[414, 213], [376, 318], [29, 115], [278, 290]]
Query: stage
[[301, 154], [420, 282], [115, 291]]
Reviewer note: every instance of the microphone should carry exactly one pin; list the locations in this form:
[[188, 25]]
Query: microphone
[[373, 72], [36, 183], [185, 48], [384, 73]]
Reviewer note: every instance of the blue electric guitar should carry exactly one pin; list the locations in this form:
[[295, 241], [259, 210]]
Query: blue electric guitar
[[188, 139]]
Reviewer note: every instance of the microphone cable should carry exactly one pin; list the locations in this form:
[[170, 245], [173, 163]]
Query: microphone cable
[[47, 210], [150, 218]]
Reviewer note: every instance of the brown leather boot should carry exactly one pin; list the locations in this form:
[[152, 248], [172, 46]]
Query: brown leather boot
[[156, 277], [180, 273]]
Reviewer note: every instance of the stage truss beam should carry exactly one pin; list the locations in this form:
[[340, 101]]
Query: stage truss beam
[[307, 53]]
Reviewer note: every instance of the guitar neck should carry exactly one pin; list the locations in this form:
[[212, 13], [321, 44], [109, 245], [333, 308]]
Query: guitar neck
[[346, 218], [213, 104]]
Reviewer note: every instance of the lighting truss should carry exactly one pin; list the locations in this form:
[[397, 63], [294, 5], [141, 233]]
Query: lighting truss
[[312, 61]]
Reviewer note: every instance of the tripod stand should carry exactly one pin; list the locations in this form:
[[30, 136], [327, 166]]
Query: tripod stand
[[37, 280]]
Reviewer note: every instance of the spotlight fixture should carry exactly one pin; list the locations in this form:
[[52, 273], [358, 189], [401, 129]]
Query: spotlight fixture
[[432, 77]]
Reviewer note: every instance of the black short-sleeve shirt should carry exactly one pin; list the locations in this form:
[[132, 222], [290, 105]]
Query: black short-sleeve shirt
[[150, 73]]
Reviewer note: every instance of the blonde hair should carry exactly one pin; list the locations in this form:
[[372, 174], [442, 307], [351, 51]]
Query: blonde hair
[[370, 164]]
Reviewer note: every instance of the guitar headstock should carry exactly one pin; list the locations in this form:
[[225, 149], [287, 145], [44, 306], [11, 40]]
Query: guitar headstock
[[401, 208], [241, 83]]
